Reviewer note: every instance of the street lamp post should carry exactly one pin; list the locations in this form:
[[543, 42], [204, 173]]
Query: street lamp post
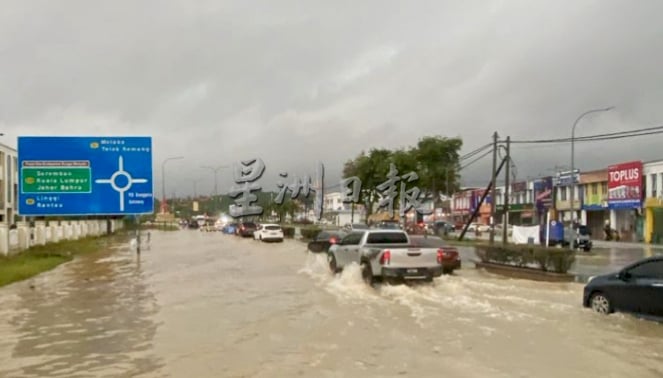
[[216, 171], [573, 182], [195, 186], [164, 206]]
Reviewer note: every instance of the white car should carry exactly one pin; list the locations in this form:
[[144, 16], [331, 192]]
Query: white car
[[483, 228], [269, 232]]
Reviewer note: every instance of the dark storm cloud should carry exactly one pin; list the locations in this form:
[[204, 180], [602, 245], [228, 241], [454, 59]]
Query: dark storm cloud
[[294, 82]]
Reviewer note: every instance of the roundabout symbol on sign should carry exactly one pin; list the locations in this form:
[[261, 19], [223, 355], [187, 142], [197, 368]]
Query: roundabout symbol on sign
[[121, 173]]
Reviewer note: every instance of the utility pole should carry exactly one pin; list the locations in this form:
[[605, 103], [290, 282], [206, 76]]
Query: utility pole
[[493, 192], [507, 180]]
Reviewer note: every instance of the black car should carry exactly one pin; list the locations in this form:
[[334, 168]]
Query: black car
[[583, 239], [325, 239], [246, 229], [638, 289], [443, 228]]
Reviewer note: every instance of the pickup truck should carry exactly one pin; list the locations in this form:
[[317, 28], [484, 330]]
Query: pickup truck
[[389, 255]]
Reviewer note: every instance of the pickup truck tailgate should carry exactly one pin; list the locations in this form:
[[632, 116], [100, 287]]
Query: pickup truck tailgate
[[413, 258]]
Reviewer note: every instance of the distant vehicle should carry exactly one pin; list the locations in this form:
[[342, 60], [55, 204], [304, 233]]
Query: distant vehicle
[[583, 238], [387, 225], [356, 226], [269, 232], [442, 228], [390, 255], [560, 235], [416, 228], [230, 228], [638, 289], [483, 228], [246, 229], [324, 240]]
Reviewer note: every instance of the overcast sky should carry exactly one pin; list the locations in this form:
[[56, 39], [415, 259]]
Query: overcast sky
[[294, 82]]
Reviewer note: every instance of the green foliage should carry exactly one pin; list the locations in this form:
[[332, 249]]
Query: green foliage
[[438, 164], [547, 259], [288, 231], [371, 169], [310, 233], [434, 159]]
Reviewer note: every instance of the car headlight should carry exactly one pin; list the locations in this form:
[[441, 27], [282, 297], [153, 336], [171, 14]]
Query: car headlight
[[590, 279]]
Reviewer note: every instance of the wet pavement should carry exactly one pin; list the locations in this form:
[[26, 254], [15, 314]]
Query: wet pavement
[[198, 304]]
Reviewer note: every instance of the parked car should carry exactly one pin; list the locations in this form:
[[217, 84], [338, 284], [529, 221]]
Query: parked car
[[561, 235], [246, 229], [583, 238], [389, 255], [268, 232], [325, 239], [638, 288]]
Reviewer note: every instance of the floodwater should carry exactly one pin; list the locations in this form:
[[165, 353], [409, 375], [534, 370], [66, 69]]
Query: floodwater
[[210, 305]]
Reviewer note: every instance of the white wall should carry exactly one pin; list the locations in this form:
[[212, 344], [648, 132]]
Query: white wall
[[649, 169], [24, 236]]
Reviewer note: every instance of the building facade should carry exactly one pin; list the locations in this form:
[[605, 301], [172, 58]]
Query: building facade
[[595, 212], [521, 204], [461, 205], [8, 184], [334, 201], [625, 199], [653, 203], [565, 183]]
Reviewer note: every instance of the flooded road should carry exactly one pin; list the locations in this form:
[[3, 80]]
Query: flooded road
[[210, 305]]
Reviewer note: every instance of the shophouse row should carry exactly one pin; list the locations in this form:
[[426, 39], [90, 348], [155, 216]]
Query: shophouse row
[[627, 197]]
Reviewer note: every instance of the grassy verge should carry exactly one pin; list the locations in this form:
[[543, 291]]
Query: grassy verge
[[465, 242], [42, 258], [477, 243]]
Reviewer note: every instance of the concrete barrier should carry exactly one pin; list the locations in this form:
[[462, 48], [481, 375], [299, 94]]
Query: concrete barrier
[[23, 236]]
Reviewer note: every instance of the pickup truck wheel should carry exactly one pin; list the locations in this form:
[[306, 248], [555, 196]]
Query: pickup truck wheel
[[332, 263], [367, 273]]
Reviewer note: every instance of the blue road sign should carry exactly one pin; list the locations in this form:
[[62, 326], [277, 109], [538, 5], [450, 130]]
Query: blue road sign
[[85, 176]]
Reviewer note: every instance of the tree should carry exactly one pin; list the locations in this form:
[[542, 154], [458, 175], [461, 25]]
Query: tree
[[371, 169], [405, 160], [438, 163]]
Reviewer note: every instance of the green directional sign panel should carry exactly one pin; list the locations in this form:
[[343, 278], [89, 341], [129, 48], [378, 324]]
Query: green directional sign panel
[[56, 177]]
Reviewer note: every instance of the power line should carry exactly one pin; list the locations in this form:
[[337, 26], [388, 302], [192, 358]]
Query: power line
[[476, 160], [475, 152], [598, 137]]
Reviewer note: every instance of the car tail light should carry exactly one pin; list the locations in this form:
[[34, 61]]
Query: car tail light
[[333, 240], [440, 255], [385, 259]]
